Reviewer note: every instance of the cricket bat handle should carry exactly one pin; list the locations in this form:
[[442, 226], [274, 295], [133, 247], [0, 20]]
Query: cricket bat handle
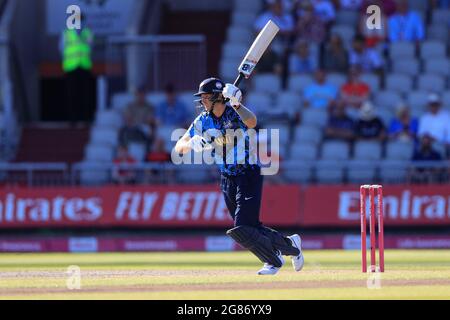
[[238, 79]]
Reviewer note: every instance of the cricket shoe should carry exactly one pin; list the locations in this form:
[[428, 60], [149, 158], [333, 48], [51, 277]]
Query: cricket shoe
[[297, 261], [269, 269]]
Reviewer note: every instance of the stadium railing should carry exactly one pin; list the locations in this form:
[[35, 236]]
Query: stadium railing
[[305, 172]]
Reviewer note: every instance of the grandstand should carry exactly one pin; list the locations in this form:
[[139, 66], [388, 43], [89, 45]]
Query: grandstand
[[214, 45]]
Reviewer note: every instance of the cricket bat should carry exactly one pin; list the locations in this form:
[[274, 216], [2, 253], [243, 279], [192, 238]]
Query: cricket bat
[[256, 51]]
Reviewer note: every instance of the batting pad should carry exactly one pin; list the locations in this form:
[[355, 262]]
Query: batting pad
[[261, 246]]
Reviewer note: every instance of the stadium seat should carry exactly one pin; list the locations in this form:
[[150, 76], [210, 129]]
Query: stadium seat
[[166, 132], [328, 171], [446, 99], [393, 171], [398, 50], [372, 80], [418, 5], [303, 151], [347, 17], [388, 99], [137, 151], [282, 151], [439, 66], [104, 136], [401, 83], [194, 173], [440, 17], [187, 98], [240, 35], [292, 101], [399, 150], [268, 83], [297, 171], [367, 150], [155, 98], [361, 172], [298, 82], [432, 49], [258, 101], [121, 100], [228, 69], [243, 19], [337, 150], [314, 117], [234, 51], [431, 83], [108, 118], [283, 132], [336, 79], [386, 114], [407, 66], [248, 5], [346, 32], [441, 148], [438, 33], [98, 152], [309, 134], [417, 99], [93, 173]]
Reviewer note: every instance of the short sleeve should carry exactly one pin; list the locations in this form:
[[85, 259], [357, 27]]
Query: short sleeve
[[196, 127]]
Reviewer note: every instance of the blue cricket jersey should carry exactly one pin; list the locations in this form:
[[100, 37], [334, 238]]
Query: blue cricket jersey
[[238, 153]]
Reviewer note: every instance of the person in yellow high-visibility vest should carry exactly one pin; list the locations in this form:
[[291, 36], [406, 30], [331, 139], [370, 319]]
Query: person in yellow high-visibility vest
[[76, 47]]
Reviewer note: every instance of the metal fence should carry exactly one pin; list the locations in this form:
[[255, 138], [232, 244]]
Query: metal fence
[[93, 174]]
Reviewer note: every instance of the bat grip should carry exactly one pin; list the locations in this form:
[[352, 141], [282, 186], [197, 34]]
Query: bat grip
[[238, 79]]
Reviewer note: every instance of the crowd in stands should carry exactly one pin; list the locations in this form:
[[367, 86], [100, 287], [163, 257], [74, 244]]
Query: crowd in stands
[[313, 44], [139, 137], [364, 79]]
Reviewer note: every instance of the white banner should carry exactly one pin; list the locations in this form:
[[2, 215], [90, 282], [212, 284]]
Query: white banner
[[104, 17]]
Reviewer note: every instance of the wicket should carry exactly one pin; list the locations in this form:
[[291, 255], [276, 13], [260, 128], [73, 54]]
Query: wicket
[[372, 221]]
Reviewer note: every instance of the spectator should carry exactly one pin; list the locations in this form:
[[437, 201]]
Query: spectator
[[276, 13], [426, 153], [340, 125], [309, 27], [404, 127], [324, 10], [405, 25], [140, 112], [369, 126], [302, 60], [172, 112], [120, 175], [435, 121], [270, 62], [354, 92], [159, 154], [367, 59], [336, 56], [131, 133], [320, 94]]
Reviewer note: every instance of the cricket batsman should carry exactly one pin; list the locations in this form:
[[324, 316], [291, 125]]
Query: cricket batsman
[[241, 179]]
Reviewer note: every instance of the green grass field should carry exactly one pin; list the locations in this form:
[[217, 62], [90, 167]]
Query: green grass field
[[328, 274]]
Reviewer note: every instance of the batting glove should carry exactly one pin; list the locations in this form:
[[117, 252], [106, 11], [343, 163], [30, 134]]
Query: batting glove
[[198, 144], [233, 93]]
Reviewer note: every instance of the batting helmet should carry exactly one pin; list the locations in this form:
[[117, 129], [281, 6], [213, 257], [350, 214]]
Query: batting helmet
[[210, 85]]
